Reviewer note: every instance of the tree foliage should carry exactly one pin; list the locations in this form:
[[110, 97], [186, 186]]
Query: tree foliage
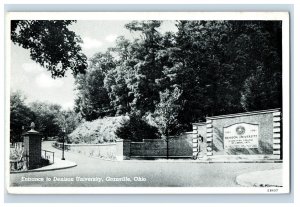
[[136, 129], [217, 67], [20, 116], [68, 120], [145, 69], [167, 112], [51, 44], [46, 118], [93, 98], [50, 119]]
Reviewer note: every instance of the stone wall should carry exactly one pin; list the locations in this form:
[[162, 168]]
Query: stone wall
[[107, 151], [179, 147], [265, 128], [266, 125], [206, 139]]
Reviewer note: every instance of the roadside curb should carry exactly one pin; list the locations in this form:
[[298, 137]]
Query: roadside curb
[[247, 161], [202, 161], [184, 161], [69, 164], [267, 178]]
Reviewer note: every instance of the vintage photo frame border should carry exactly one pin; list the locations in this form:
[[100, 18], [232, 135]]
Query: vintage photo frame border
[[286, 119]]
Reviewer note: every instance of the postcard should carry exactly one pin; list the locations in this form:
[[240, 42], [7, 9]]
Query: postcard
[[147, 103]]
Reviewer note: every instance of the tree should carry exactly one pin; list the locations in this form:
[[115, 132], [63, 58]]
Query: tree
[[145, 70], [216, 57], [167, 112], [21, 116], [116, 85], [92, 97], [136, 129], [118, 79], [46, 117], [219, 67], [69, 121], [259, 89], [51, 44]]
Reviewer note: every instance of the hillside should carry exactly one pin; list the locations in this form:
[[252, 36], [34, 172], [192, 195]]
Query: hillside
[[97, 131]]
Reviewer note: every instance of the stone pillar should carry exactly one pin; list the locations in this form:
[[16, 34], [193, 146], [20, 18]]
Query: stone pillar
[[119, 149], [195, 141], [126, 149], [209, 137], [277, 140], [122, 149], [33, 148]]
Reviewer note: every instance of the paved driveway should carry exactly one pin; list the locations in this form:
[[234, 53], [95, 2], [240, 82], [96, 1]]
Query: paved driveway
[[95, 172]]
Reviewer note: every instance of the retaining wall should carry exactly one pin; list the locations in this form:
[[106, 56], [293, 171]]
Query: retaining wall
[[178, 147], [107, 151], [249, 133]]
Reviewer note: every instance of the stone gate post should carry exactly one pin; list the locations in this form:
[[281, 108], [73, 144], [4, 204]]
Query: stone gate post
[[33, 147]]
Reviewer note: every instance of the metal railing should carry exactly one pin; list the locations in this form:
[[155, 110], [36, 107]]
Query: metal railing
[[48, 155]]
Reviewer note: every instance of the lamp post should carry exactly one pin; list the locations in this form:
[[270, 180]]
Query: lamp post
[[63, 147]]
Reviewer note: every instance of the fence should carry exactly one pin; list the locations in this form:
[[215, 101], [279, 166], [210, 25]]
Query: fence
[[17, 145], [18, 160], [48, 155], [173, 147], [20, 164]]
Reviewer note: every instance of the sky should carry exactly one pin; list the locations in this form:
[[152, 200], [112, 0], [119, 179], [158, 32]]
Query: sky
[[36, 83]]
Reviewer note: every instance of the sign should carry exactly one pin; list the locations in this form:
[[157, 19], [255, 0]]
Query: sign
[[241, 135]]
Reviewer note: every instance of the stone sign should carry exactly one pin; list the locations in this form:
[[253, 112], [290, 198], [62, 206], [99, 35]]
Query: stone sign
[[241, 135]]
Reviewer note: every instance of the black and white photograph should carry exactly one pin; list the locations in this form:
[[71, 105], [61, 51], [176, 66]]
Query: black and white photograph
[[147, 102]]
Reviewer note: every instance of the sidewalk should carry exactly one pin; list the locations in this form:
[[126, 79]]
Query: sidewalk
[[267, 178], [215, 159], [57, 165], [241, 159]]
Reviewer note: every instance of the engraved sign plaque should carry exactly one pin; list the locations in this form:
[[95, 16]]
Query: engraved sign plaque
[[241, 135]]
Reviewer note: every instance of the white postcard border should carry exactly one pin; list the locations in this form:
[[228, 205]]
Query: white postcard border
[[284, 16]]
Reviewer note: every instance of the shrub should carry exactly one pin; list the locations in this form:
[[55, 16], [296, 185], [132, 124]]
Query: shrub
[[97, 131], [137, 129], [15, 153]]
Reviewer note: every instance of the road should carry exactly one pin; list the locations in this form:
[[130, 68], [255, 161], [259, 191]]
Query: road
[[146, 173]]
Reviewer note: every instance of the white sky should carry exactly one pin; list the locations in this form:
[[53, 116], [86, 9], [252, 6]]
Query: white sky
[[36, 82]]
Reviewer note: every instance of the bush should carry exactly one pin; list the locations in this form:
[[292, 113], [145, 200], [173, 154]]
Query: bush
[[97, 131], [136, 129], [45, 162], [15, 154]]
